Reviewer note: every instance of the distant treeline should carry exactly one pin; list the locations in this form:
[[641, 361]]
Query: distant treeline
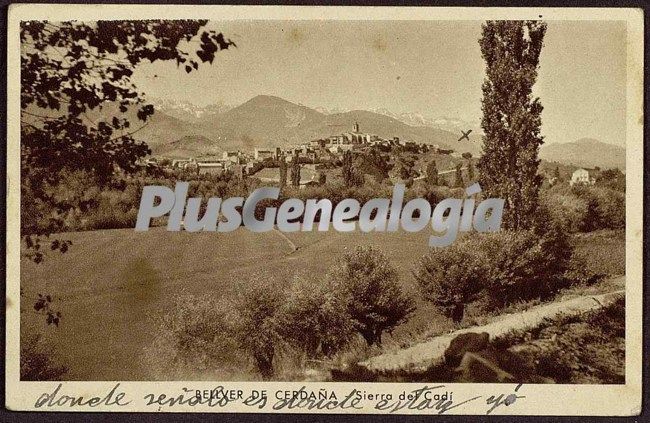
[[580, 208]]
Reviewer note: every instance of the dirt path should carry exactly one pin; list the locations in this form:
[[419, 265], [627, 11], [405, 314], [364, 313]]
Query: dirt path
[[425, 354], [293, 246]]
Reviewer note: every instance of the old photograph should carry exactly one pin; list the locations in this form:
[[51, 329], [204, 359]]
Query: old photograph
[[334, 200]]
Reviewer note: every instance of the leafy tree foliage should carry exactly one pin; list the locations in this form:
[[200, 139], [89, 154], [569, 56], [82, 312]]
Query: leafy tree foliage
[[258, 306], [72, 70], [374, 163], [314, 318], [432, 173], [556, 174], [195, 333], [470, 170], [376, 301], [511, 117], [611, 178], [458, 181], [406, 163], [452, 277], [283, 171], [295, 170], [499, 269], [322, 178], [351, 176]]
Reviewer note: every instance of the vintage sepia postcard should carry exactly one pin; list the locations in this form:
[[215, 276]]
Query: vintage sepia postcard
[[311, 209]]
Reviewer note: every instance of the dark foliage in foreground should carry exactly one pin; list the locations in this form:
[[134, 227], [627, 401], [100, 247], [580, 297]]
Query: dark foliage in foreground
[[36, 362], [79, 105], [496, 268]]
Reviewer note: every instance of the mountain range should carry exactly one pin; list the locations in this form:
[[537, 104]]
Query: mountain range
[[187, 111], [268, 121], [182, 129]]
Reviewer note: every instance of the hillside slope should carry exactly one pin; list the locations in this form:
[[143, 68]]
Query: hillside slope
[[585, 152], [188, 146]]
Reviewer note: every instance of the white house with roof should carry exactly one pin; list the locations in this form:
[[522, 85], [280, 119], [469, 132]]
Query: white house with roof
[[582, 176]]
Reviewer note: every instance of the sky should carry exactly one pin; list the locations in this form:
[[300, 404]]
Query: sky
[[433, 68]]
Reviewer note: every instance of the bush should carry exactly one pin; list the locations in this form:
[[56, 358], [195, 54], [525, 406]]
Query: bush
[[526, 265], [579, 272], [601, 252], [201, 336], [258, 308], [610, 208], [498, 268], [569, 210], [612, 179], [196, 334], [370, 286], [452, 277], [314, 318], [584, 208]]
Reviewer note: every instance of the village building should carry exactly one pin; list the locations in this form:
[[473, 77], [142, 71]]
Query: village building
[[340, 148], [582, 176], [215, 168], [336, 140], [319, 143], [181, 163], [264, 153], [232, 156], [354, 137]]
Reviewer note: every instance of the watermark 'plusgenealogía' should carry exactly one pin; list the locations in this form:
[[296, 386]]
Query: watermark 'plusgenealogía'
[[449, 216]]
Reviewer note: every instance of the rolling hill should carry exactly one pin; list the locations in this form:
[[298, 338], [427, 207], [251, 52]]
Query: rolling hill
[[163, 129], [585, 152], [188, 146], [263, 121]]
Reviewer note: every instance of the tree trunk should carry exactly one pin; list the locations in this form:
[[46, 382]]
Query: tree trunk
[[369, 336], [264, 365], [457, 312]]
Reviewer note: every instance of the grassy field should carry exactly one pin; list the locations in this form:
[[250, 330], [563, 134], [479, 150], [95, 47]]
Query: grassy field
[[112, 283]]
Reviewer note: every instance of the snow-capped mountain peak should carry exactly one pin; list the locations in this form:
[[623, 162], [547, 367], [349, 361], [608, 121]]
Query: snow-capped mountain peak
[[187, 111]]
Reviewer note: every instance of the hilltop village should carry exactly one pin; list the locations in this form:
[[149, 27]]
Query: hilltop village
[[314, 157]]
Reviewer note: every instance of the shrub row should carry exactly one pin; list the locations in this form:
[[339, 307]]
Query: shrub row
[[586, 208], [316, 317], [496, 269]]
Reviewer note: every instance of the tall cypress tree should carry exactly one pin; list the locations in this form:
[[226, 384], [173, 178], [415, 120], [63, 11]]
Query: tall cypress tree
[[295, 170], [347, 169], [352, 177], [470, 170], [283, 170], [458, 182], [511, 117], [432, 173]]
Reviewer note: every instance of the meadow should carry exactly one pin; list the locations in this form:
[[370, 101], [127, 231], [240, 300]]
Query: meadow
[[112, 284]]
